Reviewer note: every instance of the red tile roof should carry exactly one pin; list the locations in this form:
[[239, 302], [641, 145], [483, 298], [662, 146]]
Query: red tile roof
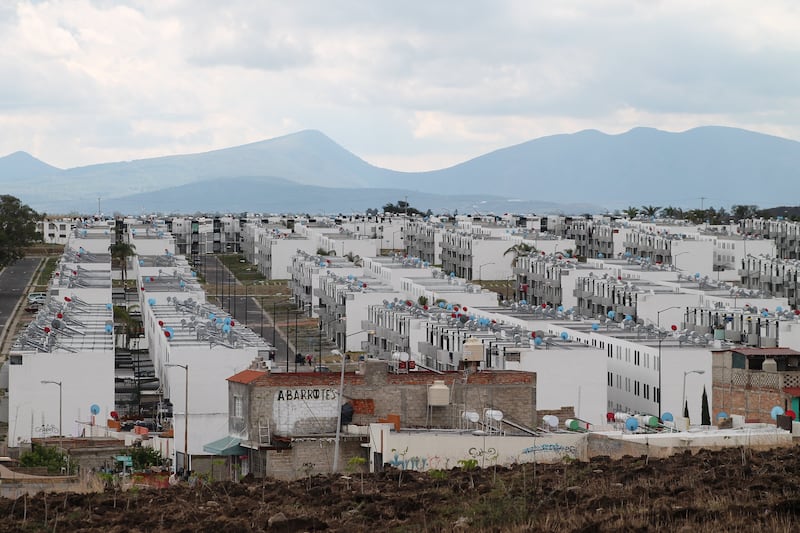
[[792, 391], [761, 351], [246, 376]]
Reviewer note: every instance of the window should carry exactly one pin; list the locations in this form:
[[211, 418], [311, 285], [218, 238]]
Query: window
[[637, 358], [237, 407], [610, 379], [646, 392], [636, 388]]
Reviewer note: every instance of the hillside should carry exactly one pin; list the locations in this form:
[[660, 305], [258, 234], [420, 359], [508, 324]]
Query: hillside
[[21, 166], [641, 166], [731, 490], [276, 195]]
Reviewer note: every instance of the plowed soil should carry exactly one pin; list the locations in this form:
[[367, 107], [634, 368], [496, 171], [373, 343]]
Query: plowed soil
[[732, 490]]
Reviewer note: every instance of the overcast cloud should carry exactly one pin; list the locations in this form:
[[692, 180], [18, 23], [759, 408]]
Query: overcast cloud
[[412, 85]]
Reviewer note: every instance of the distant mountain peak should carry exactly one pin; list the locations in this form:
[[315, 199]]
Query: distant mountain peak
[[23, 165]]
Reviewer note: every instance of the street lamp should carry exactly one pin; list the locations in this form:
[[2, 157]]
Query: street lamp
[[660, 339], [60, 389], [339, 403], [185, 416], [480, 269], [674, 257], [686, 373]]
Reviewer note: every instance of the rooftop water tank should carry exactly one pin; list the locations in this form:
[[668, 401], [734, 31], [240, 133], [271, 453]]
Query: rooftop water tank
[[472, 350], [438, 394], [573, 425]]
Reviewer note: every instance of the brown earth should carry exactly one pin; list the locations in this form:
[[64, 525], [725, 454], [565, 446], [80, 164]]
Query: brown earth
[[732, 490]]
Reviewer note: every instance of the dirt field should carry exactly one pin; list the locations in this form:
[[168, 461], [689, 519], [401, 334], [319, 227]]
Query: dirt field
[[734, 490]]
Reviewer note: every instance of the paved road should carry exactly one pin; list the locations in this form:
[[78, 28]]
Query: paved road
[[13, 280], [246, 310]]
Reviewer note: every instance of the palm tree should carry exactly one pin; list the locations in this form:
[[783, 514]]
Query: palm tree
[[121, 251], [519, 250], [354, 258], [650, 210], [672, 212], [631, 212], [130, 325]]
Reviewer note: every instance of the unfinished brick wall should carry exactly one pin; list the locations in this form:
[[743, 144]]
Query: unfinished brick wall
[[311, 457], [375, 394], [754, 404]]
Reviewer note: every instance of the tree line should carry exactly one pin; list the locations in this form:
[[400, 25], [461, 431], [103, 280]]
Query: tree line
[[710, 214], [17, 229]]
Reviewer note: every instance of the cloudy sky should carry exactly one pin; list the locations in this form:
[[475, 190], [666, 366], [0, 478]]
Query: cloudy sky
[[411, 85]]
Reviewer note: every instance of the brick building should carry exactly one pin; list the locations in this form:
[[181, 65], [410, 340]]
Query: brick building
[[751, 381], [285, 423]]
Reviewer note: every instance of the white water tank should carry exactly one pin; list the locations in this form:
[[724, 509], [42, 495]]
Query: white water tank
[[438, 394], [472, 350]]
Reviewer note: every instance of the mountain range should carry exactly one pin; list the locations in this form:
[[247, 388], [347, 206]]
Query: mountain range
[[588, 171]]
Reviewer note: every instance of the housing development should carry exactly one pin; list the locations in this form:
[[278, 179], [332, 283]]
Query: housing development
[[538, 337]]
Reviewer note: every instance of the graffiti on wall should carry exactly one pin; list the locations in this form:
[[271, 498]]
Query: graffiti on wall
[[304, 411], [554, 448], [425, 453], [418, 463], [46, 430]]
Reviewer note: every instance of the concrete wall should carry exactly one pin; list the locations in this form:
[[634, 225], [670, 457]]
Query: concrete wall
[[303, 458], [575, 376], [87, 379], [430, 450], [666, 444]]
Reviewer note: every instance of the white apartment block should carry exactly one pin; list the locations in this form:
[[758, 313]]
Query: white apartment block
[[61, 366]]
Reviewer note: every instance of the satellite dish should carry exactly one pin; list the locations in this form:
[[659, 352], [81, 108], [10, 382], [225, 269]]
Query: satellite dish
[[95, 409], [776, 412], [667, 417], [631, 424]]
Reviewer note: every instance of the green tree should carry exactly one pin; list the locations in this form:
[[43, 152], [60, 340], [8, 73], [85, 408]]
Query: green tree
[[46, 456], [121, 251], [631, 212], [130, 325], [650, 210], [354, 258], [401, 207], [672, 212], [743, 211], [143, 457], [696, 216], [705, 415], [17, 228]]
